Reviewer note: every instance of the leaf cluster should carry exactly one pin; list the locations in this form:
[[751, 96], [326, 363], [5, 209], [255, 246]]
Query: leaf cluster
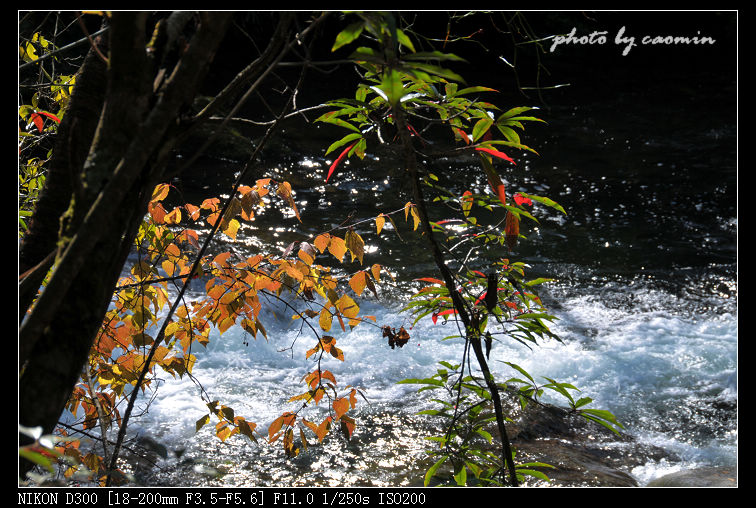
[[499, 305]]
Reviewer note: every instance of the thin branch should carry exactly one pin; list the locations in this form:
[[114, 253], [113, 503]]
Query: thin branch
[[90, 39], [179, 299], [65, 48]]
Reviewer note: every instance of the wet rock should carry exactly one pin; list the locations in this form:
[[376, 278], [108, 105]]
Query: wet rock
[[582, 452], [700, 477]]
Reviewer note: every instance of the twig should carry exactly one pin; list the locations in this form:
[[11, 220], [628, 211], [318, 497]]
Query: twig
[[91, 41]]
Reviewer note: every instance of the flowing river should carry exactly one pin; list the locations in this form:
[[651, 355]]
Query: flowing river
[[645, 269]]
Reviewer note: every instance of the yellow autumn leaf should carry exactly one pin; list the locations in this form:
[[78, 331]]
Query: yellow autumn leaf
[[201, 423], [305, 256], [174, 217], [292, 272], [325, 319], [355, 244], [232, 228], [337, 247], [415, 217], [376, 271], [168, 267], [222, 430], [348, 308], [160, 192], [379, 222]]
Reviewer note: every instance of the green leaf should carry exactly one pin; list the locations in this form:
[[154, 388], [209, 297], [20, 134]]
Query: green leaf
[[432, 471], [539, 280], [488, 437], [521, 371], [475, 89], [350, 33], [37, 458], [427, 381], [515, 111], [436, 70], [481, 127], [405, 41], [525, 119], [331, 117], [603, 417], [546, 201], [533, 473], [433, 55], [392, 88], [346, 139], [509, 133], [461, 477]]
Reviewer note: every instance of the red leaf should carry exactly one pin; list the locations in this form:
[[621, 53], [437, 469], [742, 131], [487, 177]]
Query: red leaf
[[493, 178], [462, 135], [50, 116], [431, 280], [38, 121], [499, 190], [520, 199], [338, 160], [511, 230], [447, 312], [496, 153]]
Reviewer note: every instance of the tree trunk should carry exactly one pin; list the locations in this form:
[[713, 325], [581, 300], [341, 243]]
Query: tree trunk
[[100, 225]]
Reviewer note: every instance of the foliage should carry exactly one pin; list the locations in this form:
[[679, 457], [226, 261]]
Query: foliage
[[39, 119], [400, 82], [404, 92]]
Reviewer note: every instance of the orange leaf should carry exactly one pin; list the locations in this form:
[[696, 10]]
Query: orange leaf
[[347, 426], [222, 259], [337, 247], [323, 428], [340, 406], [337, 353], [157, 212], [358, 282], [347, 306], [431, 280], [210, 204], [321, 241], [462, 135], [287, 419]]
